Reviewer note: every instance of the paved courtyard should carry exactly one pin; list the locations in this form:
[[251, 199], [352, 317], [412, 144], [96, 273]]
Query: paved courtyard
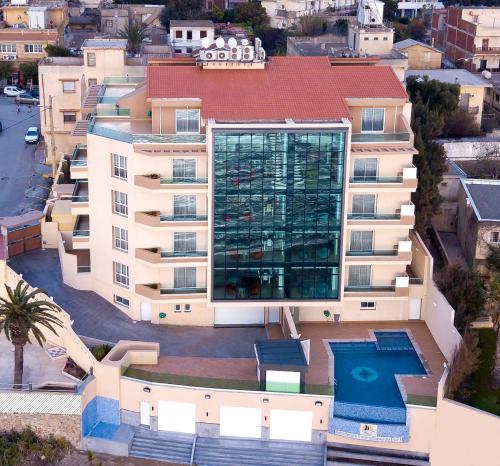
[[94, 317]]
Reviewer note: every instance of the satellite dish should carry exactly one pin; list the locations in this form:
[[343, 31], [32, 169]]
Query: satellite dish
[[219, 42], [206, 42], [244, 41], [232, 42]]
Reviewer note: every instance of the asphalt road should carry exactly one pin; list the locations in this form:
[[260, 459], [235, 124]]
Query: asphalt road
[[21, 182]]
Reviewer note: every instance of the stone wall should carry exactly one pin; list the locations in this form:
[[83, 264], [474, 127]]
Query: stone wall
[[60, 425]]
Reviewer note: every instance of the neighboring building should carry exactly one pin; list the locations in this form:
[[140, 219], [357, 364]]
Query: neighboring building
[[114, 17], [472, 87], [469, 37], [67, 80], [492, 97], [478, 225], [190, 182], [414, 8], [24, 45], [420, 56], [186, 35], [40, 15]]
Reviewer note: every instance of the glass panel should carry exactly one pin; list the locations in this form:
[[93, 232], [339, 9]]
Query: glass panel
[[185, 242], [184, 206], [187, 121], [184, 168], [361, 241], [277, 214], [372, 119], [360, 275], [365, 168], [363, 204], [185, 277]]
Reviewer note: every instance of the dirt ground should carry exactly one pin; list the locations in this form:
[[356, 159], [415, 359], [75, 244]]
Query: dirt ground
[[81, 459]]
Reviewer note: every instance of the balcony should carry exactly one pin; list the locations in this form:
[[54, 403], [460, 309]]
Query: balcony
[[402, 134], [157, 219], [78, 162], [397, 288], [80, 198], [406, 180], [157, 182], [156, 292], [403, 216], [81, 232], [124, 79], [486, 50], [399, 253], [157, 256]]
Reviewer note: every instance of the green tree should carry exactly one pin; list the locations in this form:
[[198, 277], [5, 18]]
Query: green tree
[[390, 9], [217, 14], [6, 69], [251, 13], [57, 51], [21, 318], [181, 9], [312, 25], [493, 284], [417, 29], [134, 33], [342, 26], [460, 124], [30, 71], [273, 39]]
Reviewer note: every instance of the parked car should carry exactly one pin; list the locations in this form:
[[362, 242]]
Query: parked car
[[12, 91], [26, 98], [35, 92], [32, 135]]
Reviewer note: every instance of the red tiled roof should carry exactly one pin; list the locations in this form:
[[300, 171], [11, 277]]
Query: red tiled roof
[[300, 88], [21, 35]]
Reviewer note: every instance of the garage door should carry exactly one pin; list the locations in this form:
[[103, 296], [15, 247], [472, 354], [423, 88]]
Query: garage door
[[177, 417], [290, 425], [239, 315], [240, 422]]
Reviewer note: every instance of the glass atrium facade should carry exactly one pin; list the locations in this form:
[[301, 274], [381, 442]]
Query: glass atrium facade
[[277, 214]]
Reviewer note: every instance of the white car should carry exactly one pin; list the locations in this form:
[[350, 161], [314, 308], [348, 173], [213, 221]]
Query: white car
[[12, 91], [32, 135]]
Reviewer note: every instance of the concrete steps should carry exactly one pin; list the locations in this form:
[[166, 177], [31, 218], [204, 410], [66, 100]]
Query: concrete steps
[[339, 454], [229, 452], [175, 448], [80, 128]]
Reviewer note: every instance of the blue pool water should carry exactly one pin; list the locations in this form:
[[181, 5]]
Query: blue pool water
[[365, 371]]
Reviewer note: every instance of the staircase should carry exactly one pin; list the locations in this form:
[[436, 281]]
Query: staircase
[[340, 454], [175, 448], [80, 128], [229, 451], [90, 101]]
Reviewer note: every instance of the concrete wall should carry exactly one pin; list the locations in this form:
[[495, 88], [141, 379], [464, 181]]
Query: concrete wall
[[422, 58]]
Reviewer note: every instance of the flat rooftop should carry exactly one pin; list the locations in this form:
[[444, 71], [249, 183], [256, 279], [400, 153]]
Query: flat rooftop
[[105, 43], [484, 196], [451, 76], [194, 23]]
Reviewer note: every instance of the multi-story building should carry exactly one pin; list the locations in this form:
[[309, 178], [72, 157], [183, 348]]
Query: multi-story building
[[420, 56], [25, 45], [231, 189], [186, 35], [36, 15], [469, 37], [414, 8]]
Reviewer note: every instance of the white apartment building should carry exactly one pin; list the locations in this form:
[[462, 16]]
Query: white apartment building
[[186, 35]]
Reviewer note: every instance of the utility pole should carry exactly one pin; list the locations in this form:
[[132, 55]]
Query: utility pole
[[52, 141]]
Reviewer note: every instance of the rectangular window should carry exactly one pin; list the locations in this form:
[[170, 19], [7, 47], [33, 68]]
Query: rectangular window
[[184, 241], [109, 23], [121, 274], [203, 34], [120, 238], [184, 169], [184, 206], [360, 276], [69, 117], [187, 307], [90, 59], [189, 35], [495, 237], [365, 168], [33, 48], [178, 34], [177, 308], [120, 203], [363, 203], [187, 121], [8, 48], [119, 166], [372, 120], [361, 241], [92, 82], [367, 305], [185, 277], [122, 301], [69, 86]]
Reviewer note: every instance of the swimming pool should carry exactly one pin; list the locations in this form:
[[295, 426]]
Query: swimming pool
[[365, 371]]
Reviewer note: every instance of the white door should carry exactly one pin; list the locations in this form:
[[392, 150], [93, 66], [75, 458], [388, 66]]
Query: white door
[[239, 315], [274, 315], [290, 425], [240, 422], [415, 305], [145, 310], [145, 409], [175, 416]]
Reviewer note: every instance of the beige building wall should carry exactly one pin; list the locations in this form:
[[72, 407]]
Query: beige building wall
[[422, 58]]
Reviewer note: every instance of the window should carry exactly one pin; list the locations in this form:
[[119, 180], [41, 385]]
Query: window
[[185, 277], [184, 242], [367, 305], [363, 204], [122, 301], [187, 121], [372, 120], [361, 241], [121, 274], [119, 166], [365, 168], [69, 117], [386, 38], [92, 82], [8, 48], [178, 34], [120, 203], [90, 59], [360, 275], [495, 237], [189, 35], [366, 38], [109, 23], [184, 206], [203, 34], [497, 97], [184, 169], [375, 38], [120, 238], [177, 308], [187, 307], [69, 86], [33, 48]]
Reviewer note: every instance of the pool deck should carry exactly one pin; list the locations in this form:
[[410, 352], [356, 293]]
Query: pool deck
[[320, 362]]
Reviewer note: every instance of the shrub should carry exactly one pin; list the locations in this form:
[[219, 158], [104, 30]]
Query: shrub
[[312, 25], [100, 351]]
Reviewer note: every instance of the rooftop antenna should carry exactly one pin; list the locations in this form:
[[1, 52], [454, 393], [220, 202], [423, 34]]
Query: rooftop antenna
[[206, 42], [232, 42], [219, 42]]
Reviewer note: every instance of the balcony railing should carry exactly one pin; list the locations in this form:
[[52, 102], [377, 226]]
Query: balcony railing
[[182, 290], [113, 111], [80, 192], [373, 216], [376, 179], [369, 288], [183, 180], [124, 79], [83, 269], [480, 49], [374, 252], [167, 254], [416, 281], [79, 156], [381, 137], [183, 218]]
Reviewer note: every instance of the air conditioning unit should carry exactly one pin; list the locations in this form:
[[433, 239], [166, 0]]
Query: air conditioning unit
[[223, 55], [235, 53], [208, 55], [247, 53]]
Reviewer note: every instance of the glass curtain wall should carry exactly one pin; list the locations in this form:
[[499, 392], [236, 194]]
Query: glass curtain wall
[[277, 215]]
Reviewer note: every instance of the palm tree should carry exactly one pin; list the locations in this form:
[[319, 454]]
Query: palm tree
[[21, 317], [135, 34]]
